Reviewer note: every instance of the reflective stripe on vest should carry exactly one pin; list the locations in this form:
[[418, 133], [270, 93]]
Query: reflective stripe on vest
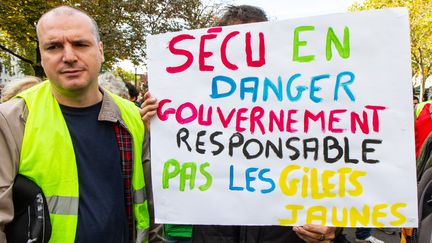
[[48, 158], [63, 205]]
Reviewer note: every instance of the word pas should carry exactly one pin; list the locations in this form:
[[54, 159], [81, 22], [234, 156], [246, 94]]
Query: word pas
[[185, 173]]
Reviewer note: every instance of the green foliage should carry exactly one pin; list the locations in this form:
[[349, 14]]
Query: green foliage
[[123, 24], [420, 17], [126, 76]]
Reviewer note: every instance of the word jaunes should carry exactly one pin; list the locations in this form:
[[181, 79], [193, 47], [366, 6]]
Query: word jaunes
[[346, 217]]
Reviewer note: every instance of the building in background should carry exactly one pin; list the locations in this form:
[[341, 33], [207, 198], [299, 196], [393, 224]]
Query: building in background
[[9, 74]]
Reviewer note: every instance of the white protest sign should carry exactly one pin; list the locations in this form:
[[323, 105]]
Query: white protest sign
[[285, 123]]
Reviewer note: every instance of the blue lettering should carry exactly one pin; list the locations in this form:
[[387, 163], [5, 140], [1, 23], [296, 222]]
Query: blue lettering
[[344, 85], [244, 89], [215, 91], [266, 179], [231, 185], [314, 88], [300, 89]]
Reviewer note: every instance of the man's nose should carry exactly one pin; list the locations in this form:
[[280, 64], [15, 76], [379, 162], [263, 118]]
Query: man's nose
[[69, 55]]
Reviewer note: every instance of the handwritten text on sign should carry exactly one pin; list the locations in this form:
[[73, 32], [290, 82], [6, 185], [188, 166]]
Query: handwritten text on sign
[[285, 123]]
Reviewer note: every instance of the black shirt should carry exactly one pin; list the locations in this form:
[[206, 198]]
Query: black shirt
[[101, 213]]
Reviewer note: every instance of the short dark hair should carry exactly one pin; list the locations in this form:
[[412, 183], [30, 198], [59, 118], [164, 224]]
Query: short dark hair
[[133, 91], [241, 14]]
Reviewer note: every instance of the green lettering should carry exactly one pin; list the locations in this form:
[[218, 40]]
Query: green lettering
[[188, 172], [297, 43], [344, 51], [207, 175], [171, 169]]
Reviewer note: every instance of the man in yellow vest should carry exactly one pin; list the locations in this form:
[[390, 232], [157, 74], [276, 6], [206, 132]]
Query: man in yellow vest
[[80, 144]]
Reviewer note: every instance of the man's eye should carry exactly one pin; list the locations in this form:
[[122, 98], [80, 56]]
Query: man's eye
[[53, 47], [81, 45]]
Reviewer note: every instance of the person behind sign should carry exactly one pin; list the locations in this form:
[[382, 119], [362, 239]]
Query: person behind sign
[[113, 84], [75, 141], [214, 233]]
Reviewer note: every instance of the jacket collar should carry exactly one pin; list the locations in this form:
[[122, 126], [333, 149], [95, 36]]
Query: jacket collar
[[109, 110]]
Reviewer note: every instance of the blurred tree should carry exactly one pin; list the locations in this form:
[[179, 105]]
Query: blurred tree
[[420, 16], [126, 76], [123, 25]]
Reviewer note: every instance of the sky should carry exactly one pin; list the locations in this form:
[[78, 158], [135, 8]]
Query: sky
[[279, 10]]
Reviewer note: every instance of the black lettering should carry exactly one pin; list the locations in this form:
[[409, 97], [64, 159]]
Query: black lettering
[[182, 135], [327, 148], [294, 149], [213, 141], [313, 149], [366, 150], [277, 150], [347, 153], [246, 152], [233, 144], [200, 143]]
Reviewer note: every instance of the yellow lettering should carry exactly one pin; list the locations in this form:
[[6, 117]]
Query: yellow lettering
[[293, 220], [292, 189], [342, 181], [327, 186], [316, 213], [353, 179], [400, 217], [363, 218], [315, 189], [305, 182], [377, 213], [343, 222]]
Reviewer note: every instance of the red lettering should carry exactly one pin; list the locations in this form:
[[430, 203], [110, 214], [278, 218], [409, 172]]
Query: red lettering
[[240, 117], [177, 51], [225, 121], [214, 30], [309, 115], [201, 120], [257, 113], [375, 117], [261, 61], [275, 119], [224, 58], [204, 54], [291, 120], [333, 119], [355, 119], [164, 115], [179, 114]]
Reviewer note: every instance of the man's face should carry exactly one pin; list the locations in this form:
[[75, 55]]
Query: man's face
[[71, 56]]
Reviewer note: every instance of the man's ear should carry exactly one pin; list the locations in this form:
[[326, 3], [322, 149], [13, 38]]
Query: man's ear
[[100, 46]]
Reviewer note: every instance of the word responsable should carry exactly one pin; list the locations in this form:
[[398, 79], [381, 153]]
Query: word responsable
[[343, 48]]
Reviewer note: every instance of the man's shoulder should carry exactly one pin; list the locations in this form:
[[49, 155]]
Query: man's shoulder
[[12, 109]]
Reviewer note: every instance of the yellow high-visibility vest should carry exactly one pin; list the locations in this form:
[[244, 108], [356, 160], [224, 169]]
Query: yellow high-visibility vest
[[48, 158]]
